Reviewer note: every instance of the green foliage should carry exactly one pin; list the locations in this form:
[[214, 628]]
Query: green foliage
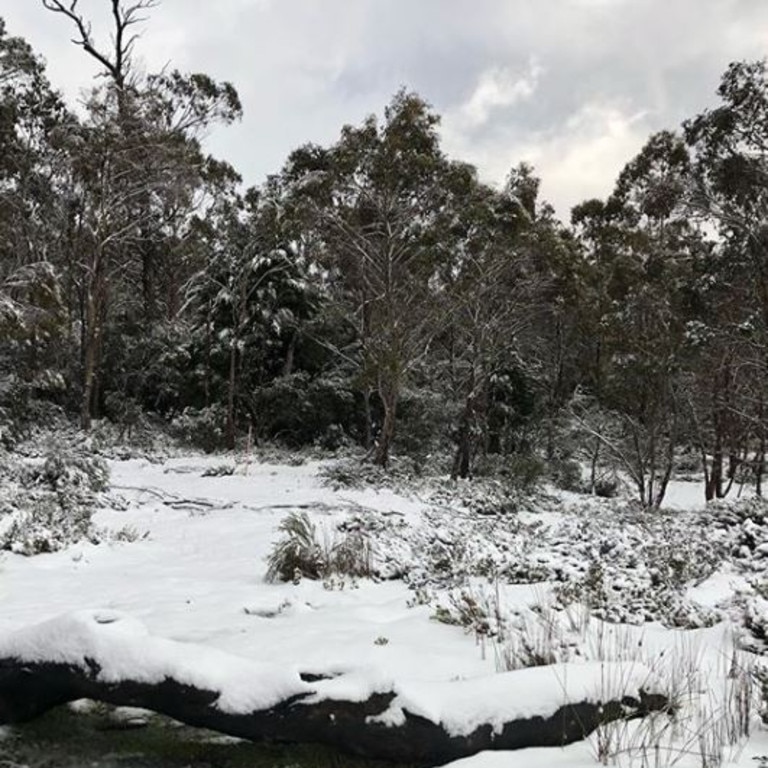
[[201, 427], [566, 474], [424, 421], [525, 470], [51, 503], [300, 554], [299, 410]]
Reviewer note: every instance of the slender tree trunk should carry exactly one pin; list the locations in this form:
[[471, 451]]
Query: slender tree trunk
[[462, 463], [760, 458], [89, 360], [368, 420], [208, 347], [388, 394], [230, 429], [715, 486], [594, 459], [290, 353]]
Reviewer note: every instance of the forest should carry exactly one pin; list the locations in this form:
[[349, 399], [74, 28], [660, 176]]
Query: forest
[[376, 292], [377, 454]]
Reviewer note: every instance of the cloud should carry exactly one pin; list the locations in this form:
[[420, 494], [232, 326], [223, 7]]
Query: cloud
[[583, 158], [499, 87], [576, 159], [573, 85]]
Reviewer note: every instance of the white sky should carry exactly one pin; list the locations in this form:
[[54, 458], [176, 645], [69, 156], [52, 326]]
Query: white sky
[[572, 86]]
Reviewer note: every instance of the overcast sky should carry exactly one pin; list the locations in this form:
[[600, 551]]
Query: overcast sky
[[572, 86]]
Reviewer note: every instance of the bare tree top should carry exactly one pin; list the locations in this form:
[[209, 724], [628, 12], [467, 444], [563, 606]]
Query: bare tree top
[[117, 61]]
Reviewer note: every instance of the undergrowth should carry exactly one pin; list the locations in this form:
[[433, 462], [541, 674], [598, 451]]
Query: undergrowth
[[300, 552]]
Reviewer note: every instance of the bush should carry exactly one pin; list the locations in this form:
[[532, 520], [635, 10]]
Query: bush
[[51, 504], [607, 487], [566, 475], [201, 427], [422, 424], [525, 470], [47, 527], [298, 410], [299, 553]]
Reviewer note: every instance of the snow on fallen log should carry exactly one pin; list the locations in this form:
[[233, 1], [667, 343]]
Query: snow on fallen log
[[110, 657]]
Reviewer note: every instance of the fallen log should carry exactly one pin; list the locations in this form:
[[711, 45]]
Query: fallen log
[[109, 657]]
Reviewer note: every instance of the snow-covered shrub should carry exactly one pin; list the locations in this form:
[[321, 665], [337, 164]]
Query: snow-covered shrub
[[299, 410], [607, 486], [201, 427], [72, 475], [50, 503], [522, 470], [299, 553], [22, 410], [422, 428], [45, 527], [566, 475], [358, 473]]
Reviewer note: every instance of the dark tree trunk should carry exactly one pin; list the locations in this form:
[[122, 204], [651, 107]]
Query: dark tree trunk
[[290, 354], [232, 381], [29, 689], [367, 420], [388, 394], [462, 463]]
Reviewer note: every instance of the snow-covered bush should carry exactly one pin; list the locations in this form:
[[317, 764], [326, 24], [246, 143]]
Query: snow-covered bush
[[21, 411], [358, 473], [424, 419], [46, 527], [298, 410], [299, 553], [48, 505], [201, 427], [566, 475]]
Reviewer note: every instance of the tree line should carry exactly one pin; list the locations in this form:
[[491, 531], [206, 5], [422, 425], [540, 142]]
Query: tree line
[[376, 291]]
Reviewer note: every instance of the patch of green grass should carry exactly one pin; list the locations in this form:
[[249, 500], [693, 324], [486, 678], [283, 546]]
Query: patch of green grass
[[66, 739]]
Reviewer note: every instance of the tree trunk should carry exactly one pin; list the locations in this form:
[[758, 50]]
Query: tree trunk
[[90, 342], [290, 353], [462, 463], [378, 724], [230, 429], [368, 420], [388, 394]]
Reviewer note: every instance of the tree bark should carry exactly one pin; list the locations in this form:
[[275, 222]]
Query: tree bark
[[230, 427], [29, 689], [388, 394]]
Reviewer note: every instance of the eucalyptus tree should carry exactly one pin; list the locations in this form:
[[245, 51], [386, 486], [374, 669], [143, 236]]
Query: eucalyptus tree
[[379, 198], [248, 301], [32, 312], [729, 191], [641, 250], [137, 172]]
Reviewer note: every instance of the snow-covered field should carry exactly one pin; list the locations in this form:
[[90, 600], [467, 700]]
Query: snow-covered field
[[458, 609]]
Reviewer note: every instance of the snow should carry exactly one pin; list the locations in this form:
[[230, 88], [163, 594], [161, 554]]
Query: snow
[[522, 694], [188, 599], [123, 650]]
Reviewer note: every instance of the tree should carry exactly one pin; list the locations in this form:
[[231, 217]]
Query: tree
[[640, 248], [378, 198], [136, 166], [33, 342], [251, 296], [728, 188]]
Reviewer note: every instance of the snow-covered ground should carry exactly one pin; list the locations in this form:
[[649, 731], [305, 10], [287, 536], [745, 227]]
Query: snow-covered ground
[[195, 573]]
